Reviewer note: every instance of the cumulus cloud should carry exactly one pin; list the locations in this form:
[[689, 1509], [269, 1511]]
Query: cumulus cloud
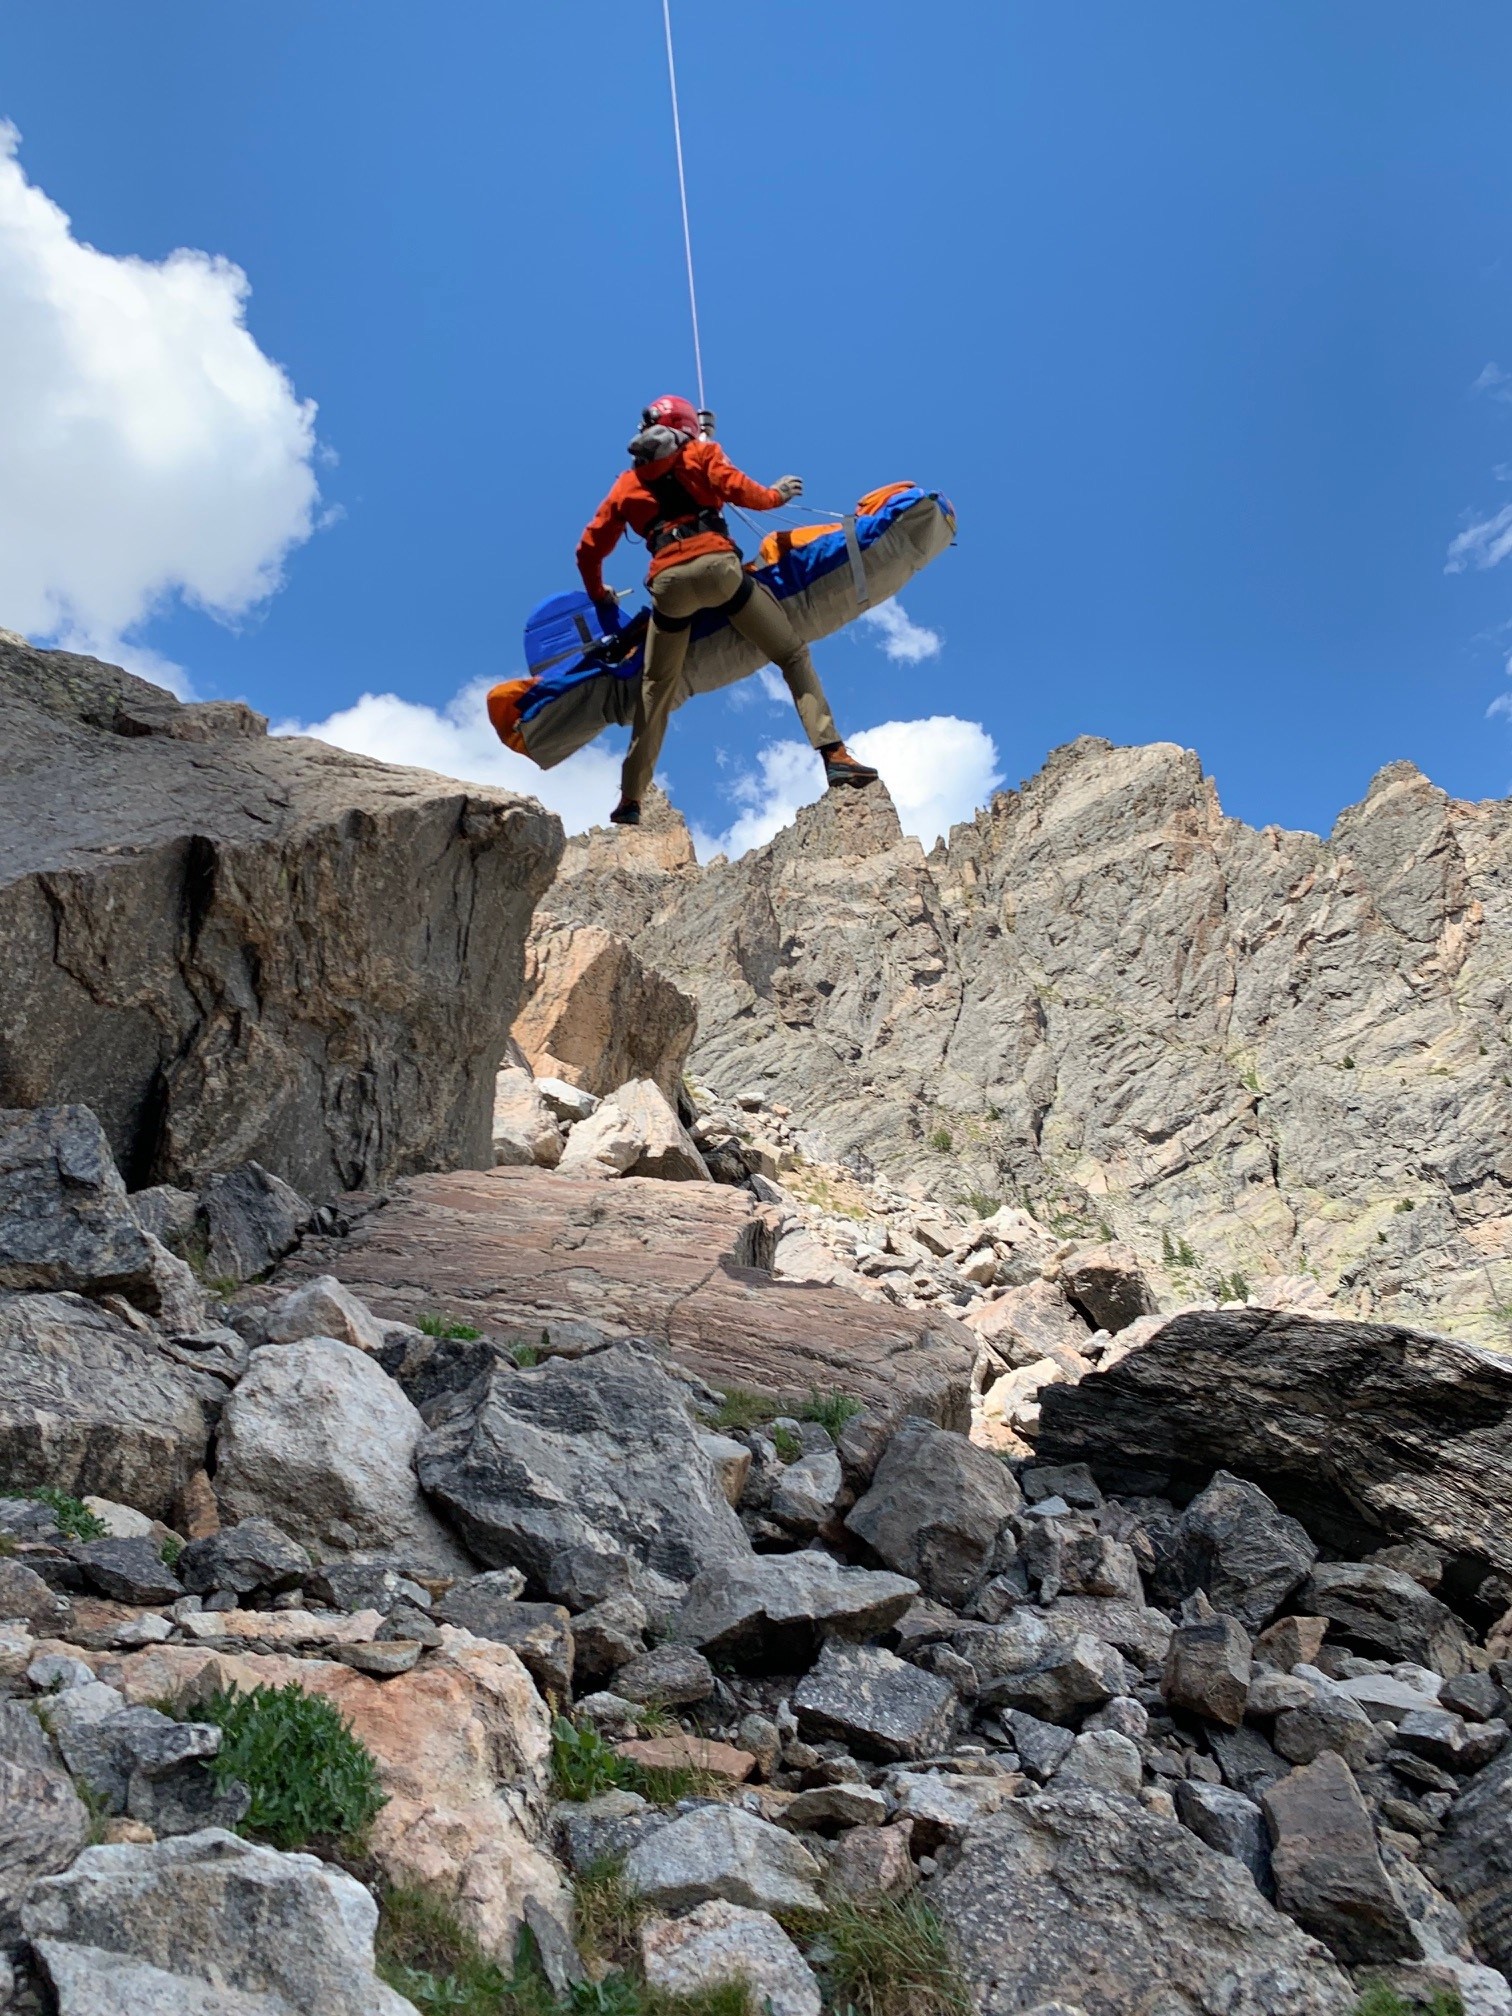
[[1484, 544], [150, 448], [904, 641], [458, 740], [938, 770]]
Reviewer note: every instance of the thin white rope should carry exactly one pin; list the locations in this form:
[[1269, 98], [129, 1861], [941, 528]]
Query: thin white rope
[[682, 190]]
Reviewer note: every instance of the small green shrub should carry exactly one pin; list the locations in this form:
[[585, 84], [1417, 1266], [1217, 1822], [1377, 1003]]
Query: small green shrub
[[1177, 1252], [582, 1764], [980, 1203], [1379, 2000], [940, 1140], [75, 1520], [170, 1550], [743, 1408], [309, 1776], [830, 1410], [448, 1328], [1231, 1288], [786, 1443], [1348, 1064], [525, 1355], [886, 1959]]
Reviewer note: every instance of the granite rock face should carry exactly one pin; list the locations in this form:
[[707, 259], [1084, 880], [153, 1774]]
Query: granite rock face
[[1246, 1053], [1364, 1432], [594, 1015], [234, 946]]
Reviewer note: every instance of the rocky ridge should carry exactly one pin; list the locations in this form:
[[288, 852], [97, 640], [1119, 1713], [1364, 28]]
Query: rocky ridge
[[1250, 1055]]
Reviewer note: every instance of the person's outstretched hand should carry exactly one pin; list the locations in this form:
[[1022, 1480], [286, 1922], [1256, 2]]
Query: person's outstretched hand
[[788, 487]]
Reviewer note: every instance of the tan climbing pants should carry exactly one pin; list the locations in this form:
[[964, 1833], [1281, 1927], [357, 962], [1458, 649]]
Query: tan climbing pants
[[683, 590]]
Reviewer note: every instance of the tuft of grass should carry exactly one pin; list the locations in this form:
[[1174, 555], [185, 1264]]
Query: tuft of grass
[[831, 1410], [743, 1408], [941, 1141], [423, 1953], [448, 1328], [786, 1443], [1379, 2000], [75, 1520], [170, 1550], [981, 1203], [885, 1959], [525, 1355], [309, 1776]]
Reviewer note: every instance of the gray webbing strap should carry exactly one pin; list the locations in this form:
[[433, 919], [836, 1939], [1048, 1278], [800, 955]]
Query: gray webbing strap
[[857, 564]]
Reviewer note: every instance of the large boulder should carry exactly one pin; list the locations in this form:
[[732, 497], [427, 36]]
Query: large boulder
[[1083, 1897], [232, 945], [1388, 1614], [64, 1220], [635, 1132], [1233, 1543], [723, 1852], [43, 1821], [177, 1925], [91, 1404], [773, 1611], [591, 1013], [585, 1473], [1473, 1861], [875, 1703], [935, 1509], [1363, 1431], [1327, 1866], [319, 1439], [519, 1251]]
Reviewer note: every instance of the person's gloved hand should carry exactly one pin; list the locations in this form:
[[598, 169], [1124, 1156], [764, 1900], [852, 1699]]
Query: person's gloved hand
[[607, 610], [788, 487]]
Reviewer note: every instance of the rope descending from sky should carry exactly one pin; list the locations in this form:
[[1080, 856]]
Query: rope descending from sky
[[682, 190]]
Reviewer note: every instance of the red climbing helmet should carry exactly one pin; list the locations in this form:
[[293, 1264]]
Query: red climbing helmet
[[679, 414]]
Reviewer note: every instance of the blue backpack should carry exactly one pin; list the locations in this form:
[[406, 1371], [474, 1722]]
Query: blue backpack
[[567, 627]]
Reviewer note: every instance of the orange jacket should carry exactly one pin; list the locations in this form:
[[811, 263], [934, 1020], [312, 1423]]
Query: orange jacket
[[710, 479]]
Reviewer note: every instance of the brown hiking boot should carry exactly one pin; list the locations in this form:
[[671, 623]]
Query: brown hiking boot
[[626, 813], [840, 767]]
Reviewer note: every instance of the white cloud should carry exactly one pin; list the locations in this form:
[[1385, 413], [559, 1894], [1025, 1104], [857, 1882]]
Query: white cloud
[[938, 770], [1502, 705], [459, 741], [150, 448], [904, 641], [1482, 545], [1496, 382]]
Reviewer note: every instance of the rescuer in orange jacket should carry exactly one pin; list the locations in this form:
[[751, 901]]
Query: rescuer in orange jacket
[[671, 496]]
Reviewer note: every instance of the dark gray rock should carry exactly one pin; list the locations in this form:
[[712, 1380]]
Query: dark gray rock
[[1448, 1740], [540, 1634], [772, 1612], [1476, 1696], [1083, 1897], [1106, 1284], [24, 1594], [171, 1215], [874, 1703], [109, 1753], [1328, 1870], [1248, 1763], [1365, 1432], [1328, 1720], [674, 1675], [591, 1832], [1388, 1614], [43, 1822], [1207, 1670], [1071, 1677], [127, 1571], [935, 1508], [1232, 1542], [252, 1555], [253, 1219], [1072, 1481], [90, 1405], [607, 1637], [586, 1474], [1227, 1821], [1473, 1861], [361, 1585], [64, 1220], [1042, 1747], [229, 944]]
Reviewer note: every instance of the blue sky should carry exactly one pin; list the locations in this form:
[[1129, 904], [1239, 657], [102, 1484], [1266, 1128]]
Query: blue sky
[[1184, 306]]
